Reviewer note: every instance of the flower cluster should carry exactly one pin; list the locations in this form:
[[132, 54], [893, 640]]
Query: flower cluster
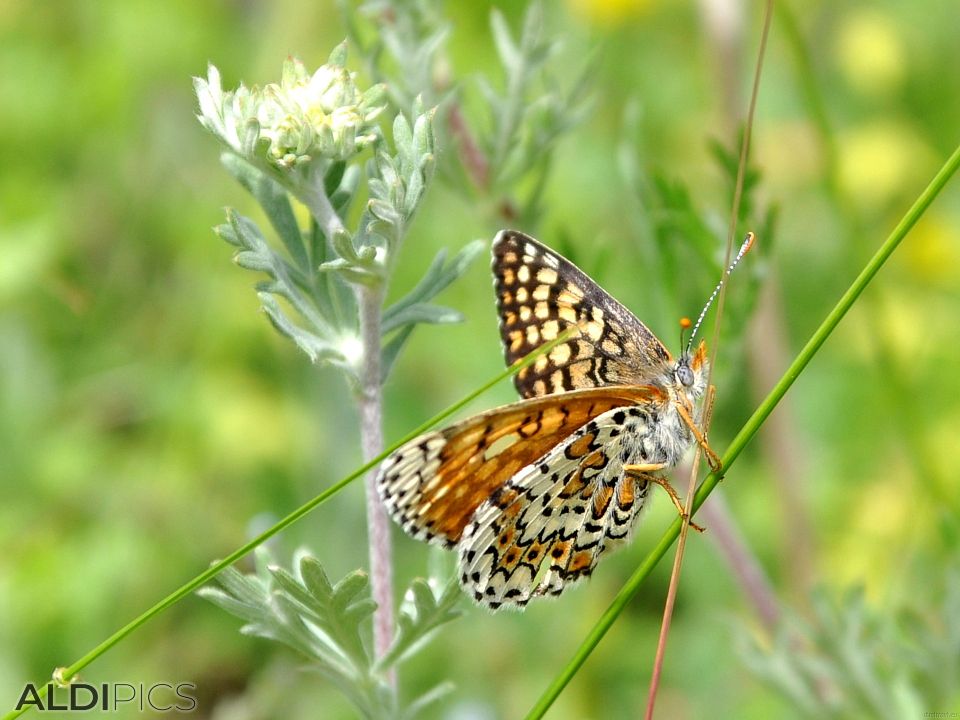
[[305, 116]]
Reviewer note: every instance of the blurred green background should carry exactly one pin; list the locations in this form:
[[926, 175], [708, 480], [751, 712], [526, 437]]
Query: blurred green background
[[151, 419]]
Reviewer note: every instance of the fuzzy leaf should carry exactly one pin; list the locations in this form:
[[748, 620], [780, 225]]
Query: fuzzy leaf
[[391, 350], [316, 348], [403, 141], [226, 232], [341, 609], [421, 313], [343, 245], [414, 624], [248, 612], [246, 234], [249, 589], [506, 47], [413, 193], [334, 177], [274, 201], [423, 135], [417, 706], [438, 276], [327, 623], [338, 56]]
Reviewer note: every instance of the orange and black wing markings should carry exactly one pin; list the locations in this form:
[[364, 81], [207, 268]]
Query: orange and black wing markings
[[539, 295], [433, 485], [552, 522]]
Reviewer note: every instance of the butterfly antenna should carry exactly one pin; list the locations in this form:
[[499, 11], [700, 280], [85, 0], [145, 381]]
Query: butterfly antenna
[[744, 248], [685, 325]]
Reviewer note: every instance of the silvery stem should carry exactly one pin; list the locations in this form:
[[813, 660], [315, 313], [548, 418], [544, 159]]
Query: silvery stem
[[370, 303]]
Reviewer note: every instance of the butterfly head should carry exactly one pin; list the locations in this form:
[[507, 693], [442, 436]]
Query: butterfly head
[[690, 373]]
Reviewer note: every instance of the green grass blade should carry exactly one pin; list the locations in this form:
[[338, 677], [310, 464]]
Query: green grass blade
[[287, 521], [605, 622]]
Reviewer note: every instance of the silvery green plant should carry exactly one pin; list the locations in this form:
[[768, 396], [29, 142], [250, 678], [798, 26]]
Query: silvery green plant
[[325, 621], [303, 139], [503, 156], [847, 660], [527, 116], [316, 139], [402, 44]]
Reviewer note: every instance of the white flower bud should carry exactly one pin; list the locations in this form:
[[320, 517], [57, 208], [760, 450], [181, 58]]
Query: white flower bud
[[323, 115]]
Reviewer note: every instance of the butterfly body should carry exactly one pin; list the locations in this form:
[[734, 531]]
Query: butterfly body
[[532, 494]]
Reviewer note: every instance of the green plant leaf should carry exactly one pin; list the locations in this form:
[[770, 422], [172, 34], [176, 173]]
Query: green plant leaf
[[317, 348], [424, 614], [438, 277], [391, 351], [421, 313], [274, 201], [417, 706], [333, 177], [507, 49]]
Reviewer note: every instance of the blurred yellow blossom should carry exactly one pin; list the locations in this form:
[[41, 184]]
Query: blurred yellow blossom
[[877, 522], [870, 53], [609, 12], [881, 159], [932, 252]]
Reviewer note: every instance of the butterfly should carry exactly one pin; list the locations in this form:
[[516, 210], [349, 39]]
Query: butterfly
[[533, 494]]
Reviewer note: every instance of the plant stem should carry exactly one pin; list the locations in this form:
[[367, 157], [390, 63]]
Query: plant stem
[[471, 156], [313, 196], [747, 432], [370, 402], [370, 407]]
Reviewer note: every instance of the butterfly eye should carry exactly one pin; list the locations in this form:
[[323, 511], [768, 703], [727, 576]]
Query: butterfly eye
[[685, 375]]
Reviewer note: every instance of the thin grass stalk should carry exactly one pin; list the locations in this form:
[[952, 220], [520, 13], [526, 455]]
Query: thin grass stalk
[[750, 428], [715, 347], [68, 672]]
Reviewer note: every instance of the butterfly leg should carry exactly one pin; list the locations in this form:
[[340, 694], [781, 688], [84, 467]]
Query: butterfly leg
[[642, 472], [712, 460]]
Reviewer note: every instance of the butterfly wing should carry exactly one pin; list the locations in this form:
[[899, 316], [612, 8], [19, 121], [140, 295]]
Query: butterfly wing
[[551, 523], [539, 295], [434, 484]]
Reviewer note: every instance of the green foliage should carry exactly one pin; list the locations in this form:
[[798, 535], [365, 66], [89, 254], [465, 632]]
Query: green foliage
[[850, 660], [504, 157], [329, 624], [415, 307], [401, 43], [530, 113]]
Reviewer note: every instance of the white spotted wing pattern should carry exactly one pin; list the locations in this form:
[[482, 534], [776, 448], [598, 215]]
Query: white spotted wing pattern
[[532, 494]]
